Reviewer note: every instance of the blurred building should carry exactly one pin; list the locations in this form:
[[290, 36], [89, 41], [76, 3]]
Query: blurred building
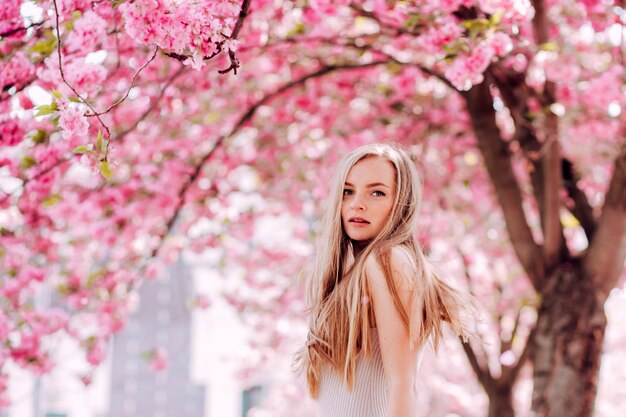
[[162, 320], [204, 349]]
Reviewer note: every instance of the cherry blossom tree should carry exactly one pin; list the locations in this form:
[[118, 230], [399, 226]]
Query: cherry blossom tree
[[132, 130]]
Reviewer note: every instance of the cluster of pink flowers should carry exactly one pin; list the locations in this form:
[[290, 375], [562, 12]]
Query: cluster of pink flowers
[[72, 122], [467, 69], [9, 15], [86, 78], [157, 358], [96, 350], [436, 38], [89, 32], [194, 28], [15, 71], [11, 131], [603, 90], [514, 11]]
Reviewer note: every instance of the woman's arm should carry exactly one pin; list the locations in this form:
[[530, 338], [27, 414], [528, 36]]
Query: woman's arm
[[399, 362]]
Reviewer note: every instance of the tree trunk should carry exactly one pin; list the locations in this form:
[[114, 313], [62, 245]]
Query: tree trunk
[[501, 401], [567, 345]]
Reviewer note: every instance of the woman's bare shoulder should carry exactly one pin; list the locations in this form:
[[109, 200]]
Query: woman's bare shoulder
[[402, 266]]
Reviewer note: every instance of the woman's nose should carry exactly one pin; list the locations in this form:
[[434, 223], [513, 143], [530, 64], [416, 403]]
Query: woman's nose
[[357, 203]]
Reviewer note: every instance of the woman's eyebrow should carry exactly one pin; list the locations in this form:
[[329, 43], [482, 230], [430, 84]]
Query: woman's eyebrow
[[374, 184]]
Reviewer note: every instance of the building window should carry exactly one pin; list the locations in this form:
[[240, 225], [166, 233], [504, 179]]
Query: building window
[[163, 317], [162, 337], [160, 398], [161, 378], [164, 296], [251, 398], [132, 345], [130, 387], [130, 408], [130, 367]]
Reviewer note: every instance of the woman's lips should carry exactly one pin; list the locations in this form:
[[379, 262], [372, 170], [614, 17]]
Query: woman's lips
[[358, 221]]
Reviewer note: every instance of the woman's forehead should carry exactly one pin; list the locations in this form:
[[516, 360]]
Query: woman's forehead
[[372, 169]]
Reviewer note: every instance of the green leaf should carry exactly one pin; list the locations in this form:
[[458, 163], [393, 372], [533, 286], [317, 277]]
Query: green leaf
[[105, 169], [52, 200], [39, 137], [56, 93], [476, 26], [91, 278], [549, 46], [76, 14], [496, 18], [46, 109], [45, 47], [299, 29], [28, 162], [101, 144], [82, 149]]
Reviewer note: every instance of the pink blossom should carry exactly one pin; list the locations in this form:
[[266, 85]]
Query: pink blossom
[[96, 351], [479, 59], [436, 37], [73, 122], [25, 102], [11, 131], [501, 43], [514, 10], [467, 70], [197, 27], [203, 302], [9, 15], [5, 325], [158, 359], [85, 77], [603, 90], [66, 7], [89, 32], [15, 71]]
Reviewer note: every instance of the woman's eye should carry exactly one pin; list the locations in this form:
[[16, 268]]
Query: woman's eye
[[378, 193], [347, 192]]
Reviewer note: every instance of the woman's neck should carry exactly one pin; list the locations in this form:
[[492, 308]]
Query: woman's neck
[[358, 246]]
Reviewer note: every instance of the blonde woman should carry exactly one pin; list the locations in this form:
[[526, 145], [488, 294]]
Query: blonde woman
[[374, 299]]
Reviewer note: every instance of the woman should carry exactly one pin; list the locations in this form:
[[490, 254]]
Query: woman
[[374, 299]]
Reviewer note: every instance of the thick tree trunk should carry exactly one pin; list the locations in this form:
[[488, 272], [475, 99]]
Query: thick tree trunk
[[567, 345]]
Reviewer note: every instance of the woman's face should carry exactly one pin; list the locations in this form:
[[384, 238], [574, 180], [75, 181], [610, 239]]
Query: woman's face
[[368, 196]]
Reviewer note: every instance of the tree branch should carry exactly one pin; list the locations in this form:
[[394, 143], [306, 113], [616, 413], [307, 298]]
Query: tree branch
[[234, 62], [132, 82], [119, 137], [154, 104], [482, 373], [497, 157], [523, 357], [58, 33], [551, 160], [582, 209], [604, 261], [246, 117], [20, 29]]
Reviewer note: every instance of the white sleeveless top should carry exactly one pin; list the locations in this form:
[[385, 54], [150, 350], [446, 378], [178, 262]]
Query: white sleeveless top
[[368, 397]]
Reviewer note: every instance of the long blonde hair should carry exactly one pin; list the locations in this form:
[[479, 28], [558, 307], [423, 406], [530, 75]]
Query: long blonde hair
[[339, 320]]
